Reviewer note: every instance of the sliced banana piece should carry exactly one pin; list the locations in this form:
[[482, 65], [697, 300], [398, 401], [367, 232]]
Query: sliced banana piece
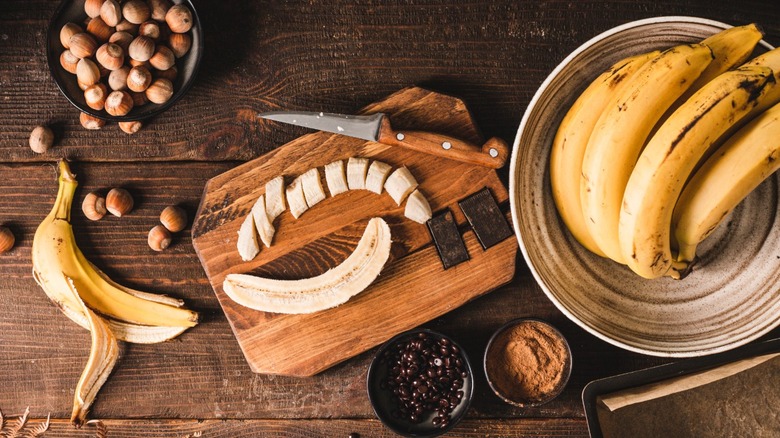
[[377, 175], [296, 200], [312, 187], [356, 173], [275, 203], [399, 184], [330, 289], [263, 223], [335, 177], [247, 239], [417, 208]]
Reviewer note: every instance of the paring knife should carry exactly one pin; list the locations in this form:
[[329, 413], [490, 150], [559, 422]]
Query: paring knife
[[376, 127]]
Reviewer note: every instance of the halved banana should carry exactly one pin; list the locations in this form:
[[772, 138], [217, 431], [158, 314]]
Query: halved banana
[[335, 177], [356, 173], [377, 175], [400, 184]]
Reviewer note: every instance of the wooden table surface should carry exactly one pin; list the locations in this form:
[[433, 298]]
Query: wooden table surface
[[262, 55]]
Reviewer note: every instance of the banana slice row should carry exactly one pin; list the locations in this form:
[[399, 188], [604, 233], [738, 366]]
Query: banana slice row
[[307, 190]]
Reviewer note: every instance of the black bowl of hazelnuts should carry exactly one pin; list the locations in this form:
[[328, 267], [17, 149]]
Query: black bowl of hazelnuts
[[420, 384], [126, 60]]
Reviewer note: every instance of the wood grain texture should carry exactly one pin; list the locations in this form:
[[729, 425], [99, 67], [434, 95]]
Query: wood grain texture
[[413, 287]]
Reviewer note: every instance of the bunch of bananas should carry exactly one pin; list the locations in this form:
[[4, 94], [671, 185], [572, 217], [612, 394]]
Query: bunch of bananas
[[662, 146], [92, 300]]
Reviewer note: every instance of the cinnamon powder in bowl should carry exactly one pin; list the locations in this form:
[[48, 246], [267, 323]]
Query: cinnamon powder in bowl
[[527, 362]]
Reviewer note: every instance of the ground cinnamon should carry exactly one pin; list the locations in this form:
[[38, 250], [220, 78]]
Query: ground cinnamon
[[527, 361]]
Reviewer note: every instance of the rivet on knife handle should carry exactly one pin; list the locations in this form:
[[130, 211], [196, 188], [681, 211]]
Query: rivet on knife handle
[[492, 154]]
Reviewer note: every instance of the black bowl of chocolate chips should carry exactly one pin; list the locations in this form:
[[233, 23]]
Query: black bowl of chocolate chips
[[420, 384]]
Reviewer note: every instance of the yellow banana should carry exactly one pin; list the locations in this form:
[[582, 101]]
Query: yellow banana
[[133, 315], [750, 156], [669, 158], [621, 131], [571, 139], [730, 48]]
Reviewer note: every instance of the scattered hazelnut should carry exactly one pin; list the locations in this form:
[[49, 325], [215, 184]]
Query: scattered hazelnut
[[95, 96], [117, 80], [169, 74], [111, 12], [141, 49], [159, 91], [99, 29], [7, 239], [159, 9], [92, 7], [126, 26], [94, 206], [68, 31], [180, 43], [159, 238], [119, 202], [41, 139], [87, 73], [162, 59], [110, 56], [82, 45], [91, 122], [121, 39], [174, 218], [179, 18], [131, 127], [118, 103], [139, 78], [149, 29], [69, 61], [136, 11]]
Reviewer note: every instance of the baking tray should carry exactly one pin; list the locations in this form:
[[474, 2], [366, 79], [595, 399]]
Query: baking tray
[[655, 374]]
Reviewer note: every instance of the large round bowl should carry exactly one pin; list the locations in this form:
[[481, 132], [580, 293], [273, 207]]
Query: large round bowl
[[733, 294]]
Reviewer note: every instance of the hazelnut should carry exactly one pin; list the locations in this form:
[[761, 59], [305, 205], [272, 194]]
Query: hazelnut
[[174, 218], [110, 56], [87, 73], [136, 11], [92, 7], [134, 63], [159, 9], [68, 31], [162, 59], [139, 78], [111, 12], [149, 29], [121, 39], [117, 80], [41, 139], [69, 61], [82, 45], [119, 202], [159, 91], [99, 29], [169, 74], [180, 43], [95, 96], [91, 122], [126, 26], [94, 206], [139, 99], [7, 239], [141, 49], [179, 19], [118, 103], [159, 238], [131, 127]]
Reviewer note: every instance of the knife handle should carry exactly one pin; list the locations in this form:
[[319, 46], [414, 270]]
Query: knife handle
[[492, 154]]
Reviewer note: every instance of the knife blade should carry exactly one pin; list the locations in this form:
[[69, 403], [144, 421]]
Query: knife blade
[[377, 127]]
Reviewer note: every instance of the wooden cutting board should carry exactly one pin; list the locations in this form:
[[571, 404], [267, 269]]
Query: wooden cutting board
[[413, 287]]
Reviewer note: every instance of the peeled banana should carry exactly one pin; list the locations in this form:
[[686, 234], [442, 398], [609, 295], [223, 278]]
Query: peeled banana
[[621, 132], [417, 208], [738, 167], [296, 199], [275, 203], [669, 158], [330, 289], [312, 187], [55, 257], [335, 177], [247, 244], [263, 225], [568, 147], [356, 173], [377, 175], [400, 184]]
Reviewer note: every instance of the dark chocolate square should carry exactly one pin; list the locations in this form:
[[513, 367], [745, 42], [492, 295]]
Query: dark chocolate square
[[485, 218], [447, 239]]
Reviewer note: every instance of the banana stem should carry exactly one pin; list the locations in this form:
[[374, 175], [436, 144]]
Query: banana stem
[[67, 187]]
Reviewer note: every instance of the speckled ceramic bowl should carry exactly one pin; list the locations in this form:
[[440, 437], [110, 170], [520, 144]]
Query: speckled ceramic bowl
[[733, 294]]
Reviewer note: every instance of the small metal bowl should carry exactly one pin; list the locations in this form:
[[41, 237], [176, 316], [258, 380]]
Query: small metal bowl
[[384, 402], [73, 11], [494, 350]]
